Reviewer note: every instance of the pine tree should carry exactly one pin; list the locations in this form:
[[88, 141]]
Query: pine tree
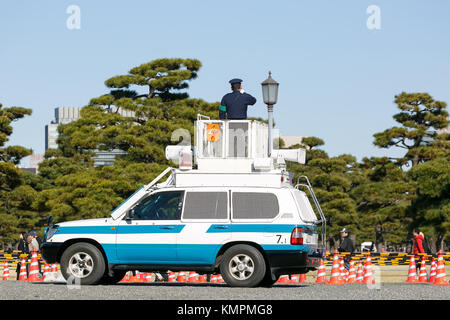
[[420, 117], [11, 177]]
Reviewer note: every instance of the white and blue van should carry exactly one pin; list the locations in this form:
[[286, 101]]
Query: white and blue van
[[235, 212]]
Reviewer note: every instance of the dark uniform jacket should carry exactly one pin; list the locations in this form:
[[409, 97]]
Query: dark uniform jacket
[[346, 246], [234, 105]]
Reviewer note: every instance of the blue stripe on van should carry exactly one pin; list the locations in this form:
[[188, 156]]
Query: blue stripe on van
[[86, 229], [169, 228], [283, 228]]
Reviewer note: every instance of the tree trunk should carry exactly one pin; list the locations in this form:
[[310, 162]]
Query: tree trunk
[[379, 237]]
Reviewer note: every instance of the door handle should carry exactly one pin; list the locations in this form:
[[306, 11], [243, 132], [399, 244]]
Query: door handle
[[221, 227], [167, 227]]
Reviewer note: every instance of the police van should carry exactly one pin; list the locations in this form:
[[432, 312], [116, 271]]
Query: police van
[[230, 208]]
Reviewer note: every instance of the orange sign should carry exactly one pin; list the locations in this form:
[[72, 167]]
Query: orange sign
[[212, 132]]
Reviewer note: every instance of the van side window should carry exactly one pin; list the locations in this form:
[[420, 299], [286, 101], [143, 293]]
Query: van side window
[[255, 205], [205, 205], [160, 206]]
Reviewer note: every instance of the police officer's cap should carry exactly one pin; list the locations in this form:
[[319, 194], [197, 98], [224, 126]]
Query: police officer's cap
[[235, 81], [344, 230]]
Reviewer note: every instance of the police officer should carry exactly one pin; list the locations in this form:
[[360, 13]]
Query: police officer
[[346, 246], [234, 105]]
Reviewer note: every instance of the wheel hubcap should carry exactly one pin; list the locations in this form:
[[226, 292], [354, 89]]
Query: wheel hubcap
[[241, 267], [81, 265]]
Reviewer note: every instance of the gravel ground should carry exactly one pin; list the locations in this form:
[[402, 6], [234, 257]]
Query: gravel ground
[[14, 290]]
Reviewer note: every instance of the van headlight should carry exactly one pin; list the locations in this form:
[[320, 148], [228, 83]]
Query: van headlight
[[51, 232]]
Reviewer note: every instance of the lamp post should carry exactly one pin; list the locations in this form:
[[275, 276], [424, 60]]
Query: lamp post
[[270, 96]]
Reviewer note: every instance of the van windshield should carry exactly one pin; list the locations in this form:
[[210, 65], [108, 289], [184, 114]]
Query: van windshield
[[306, 211]]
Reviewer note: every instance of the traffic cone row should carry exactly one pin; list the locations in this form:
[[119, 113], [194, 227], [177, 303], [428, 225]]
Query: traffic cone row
[[183, 277], [339, 275], [437, 271]]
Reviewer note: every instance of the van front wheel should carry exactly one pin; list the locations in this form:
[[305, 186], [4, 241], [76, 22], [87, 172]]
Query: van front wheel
[[243, 266], [82, 263]]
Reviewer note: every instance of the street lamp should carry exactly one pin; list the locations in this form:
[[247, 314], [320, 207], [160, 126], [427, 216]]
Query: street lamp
[[270, 96]]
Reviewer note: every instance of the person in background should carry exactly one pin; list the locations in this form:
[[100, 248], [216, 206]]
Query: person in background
[[32, 244], [420, 246], [35, 235], [346, 246], [23, 247]]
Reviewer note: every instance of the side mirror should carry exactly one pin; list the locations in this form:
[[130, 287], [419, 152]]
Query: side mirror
[[49, 220], [130, 214]]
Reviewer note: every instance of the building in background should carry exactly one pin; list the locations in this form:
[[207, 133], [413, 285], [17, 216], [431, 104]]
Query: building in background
[[291, 140], [64, 115], [33, 163]]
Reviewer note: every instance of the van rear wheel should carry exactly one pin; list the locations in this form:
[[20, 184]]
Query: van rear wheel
[[243, 266]]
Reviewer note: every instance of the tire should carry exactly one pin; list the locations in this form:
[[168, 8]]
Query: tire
[[82, 263], [243, 266], [117, 276]]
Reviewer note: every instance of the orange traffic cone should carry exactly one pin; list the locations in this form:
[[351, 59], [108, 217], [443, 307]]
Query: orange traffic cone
[[432, 271], [23, 270], [351, 274], [46, 272], [294, 278], [302, 278], [202, 279], [213, 278], [192, 278], [133, 276], [34, 268], [181, 276], [359, 274], [219, 279], [335, 273], [412, 271], [321, 273], [342, 271], [172, 277], [283, 279], [5, 271], [423, 272], [440, 271], [126, 277], [368, 275]]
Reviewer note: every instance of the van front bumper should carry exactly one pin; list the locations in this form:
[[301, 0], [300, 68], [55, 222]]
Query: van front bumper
[[288, 262], [50, 250]]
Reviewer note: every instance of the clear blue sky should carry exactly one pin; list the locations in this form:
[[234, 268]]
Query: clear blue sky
[[337, 78]]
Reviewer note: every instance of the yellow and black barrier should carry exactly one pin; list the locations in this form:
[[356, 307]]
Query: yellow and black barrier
[[388, 258]]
